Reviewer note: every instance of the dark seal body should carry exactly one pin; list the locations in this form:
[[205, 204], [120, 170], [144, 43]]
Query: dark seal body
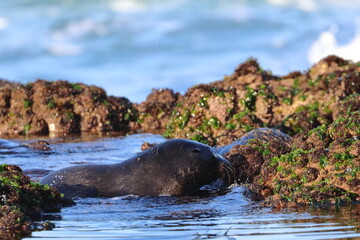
[[175, 167], [265, 134]]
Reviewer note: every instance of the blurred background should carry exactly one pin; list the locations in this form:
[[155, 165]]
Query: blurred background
[[129, 47]]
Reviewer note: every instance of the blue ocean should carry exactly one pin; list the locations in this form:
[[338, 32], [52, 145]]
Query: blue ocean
[[129, 47]]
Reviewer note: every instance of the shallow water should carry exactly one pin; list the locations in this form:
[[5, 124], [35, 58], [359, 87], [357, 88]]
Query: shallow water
[[228, 215]]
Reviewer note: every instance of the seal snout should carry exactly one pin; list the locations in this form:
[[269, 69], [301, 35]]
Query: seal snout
[[226, 170]]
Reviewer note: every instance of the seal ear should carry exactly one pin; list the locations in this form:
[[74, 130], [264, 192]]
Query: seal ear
[[195, 150]]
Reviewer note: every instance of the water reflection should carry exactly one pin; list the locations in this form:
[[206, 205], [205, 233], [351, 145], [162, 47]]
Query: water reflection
[[229, 215]]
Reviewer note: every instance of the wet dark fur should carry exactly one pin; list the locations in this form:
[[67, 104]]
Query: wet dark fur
[[175, 167]]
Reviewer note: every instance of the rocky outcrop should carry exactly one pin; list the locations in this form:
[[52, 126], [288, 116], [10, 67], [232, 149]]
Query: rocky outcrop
[[155, 112], [60, 107], [215, 113], [322, 168], [319, 107], [22, 202], [250, 98]]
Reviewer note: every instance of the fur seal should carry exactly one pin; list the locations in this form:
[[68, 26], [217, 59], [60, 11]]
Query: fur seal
[[175, 167]]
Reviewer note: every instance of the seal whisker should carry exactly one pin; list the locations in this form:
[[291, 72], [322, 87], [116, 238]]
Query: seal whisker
[[229, 175], [226, 173]]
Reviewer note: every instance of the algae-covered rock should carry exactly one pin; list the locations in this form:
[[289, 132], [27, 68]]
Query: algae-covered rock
[[23, 201], [61, 107], [216, 113], [222, 111], [319, 107], [202, 115], [323, 167], [155, 112]]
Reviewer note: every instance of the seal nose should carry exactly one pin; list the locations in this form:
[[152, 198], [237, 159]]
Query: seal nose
[[226, 171]]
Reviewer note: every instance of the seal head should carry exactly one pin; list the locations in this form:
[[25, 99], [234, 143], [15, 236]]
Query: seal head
[[175, 167]]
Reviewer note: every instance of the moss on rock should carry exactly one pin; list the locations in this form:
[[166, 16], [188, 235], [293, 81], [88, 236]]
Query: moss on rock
[[202, 115], [60, 107], [222, 111], [155, 112], [319, 107], [323, 167], [23, 201]]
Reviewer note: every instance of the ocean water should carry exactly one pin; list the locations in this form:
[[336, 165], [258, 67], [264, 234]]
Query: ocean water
[[229, 215], [129, 47]]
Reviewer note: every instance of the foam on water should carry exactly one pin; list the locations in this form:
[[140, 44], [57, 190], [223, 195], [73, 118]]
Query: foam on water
[[3, 23], [327, 44], [304, 5]]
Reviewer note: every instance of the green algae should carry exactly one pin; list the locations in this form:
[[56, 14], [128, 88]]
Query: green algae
[[76, 87], [263, 148], [51, 103], [26, 128], [203, 102], [22, 200], [293, 186], [130, 115], [27, 103], [250, 98], [292, 157]]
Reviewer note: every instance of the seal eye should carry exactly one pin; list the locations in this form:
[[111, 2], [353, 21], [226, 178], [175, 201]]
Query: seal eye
[[195, 150]]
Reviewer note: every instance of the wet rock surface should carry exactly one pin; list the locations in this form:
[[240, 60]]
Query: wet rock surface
[[321, 168], [322, 165], [319, 108], [215, 113], [22, 202], [156, 111], [250, 98], [60, 107]]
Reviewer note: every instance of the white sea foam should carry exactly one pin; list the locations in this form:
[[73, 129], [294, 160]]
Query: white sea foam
[[350, 3], [66, 41], [237, 12], [127, 6], [78, 29], [65, 49], [4, 23], [312, 5], [304, 5], [327, 44]]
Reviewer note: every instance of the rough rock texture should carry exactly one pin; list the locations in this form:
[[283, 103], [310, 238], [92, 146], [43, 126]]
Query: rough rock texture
[[323, 166], [204, 115], [216, 113], [22, 201], [248, 159], [315, 170], [155, 112], [250, 98], [60, 107], [319, 107]]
